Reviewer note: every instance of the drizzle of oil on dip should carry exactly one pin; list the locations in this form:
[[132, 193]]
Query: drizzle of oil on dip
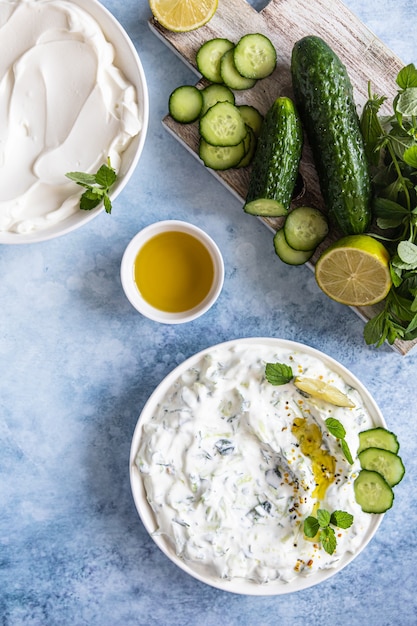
[[174, 271]]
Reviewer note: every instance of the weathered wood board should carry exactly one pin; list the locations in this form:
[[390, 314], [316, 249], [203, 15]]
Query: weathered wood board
[[285, 21]]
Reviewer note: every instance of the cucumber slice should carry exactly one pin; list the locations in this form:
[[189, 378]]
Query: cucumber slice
[[230, 75], [209, 55], [223, 125], [387, 463], [288, 254], [372, 492], [255, 56], [305, 227], [250, 145], [185, 104], [221, 157], [212, 94], [252, 117], [378, 437]]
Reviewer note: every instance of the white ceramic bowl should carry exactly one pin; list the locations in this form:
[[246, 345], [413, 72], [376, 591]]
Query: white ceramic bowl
[[236, 585], [128, 280], [128, 61]]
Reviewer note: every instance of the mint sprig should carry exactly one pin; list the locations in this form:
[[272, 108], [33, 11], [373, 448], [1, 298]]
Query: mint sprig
[[321, 526], [337, 429], [391, 148], [278, 373], [97, 186]]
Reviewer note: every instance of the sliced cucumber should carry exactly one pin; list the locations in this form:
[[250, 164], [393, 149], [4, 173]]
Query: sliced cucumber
[[185, 104], [223, 125], [212, 94], [252, 117], [305, 227], [221, 157], [387, 463], [378, 437], [255, 56], [230, 75], [209, 55], [250, 147], [372, 492], [288, 254]]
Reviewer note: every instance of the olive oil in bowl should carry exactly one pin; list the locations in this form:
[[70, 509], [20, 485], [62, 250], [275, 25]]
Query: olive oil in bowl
[[172, 272]]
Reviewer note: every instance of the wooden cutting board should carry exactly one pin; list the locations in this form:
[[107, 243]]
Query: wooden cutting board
[[285, 22]]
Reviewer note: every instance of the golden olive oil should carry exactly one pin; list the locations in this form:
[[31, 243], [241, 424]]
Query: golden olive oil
[[173, 271]]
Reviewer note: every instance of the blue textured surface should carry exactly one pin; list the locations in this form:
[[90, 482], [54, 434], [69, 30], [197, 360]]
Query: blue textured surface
[[78, 363]]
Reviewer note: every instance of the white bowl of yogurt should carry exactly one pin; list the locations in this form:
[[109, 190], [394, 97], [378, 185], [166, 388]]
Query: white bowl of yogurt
[[219, 477], [74, 94]]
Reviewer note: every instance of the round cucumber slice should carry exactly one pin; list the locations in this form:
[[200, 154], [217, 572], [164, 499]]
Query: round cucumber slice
[[305, 227], [372, 492], [387, 463]]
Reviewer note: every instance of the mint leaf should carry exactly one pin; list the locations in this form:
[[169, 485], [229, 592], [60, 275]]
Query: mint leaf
[[346, 451], [81, 178], [410, 156], [323, 518], [335, 427], [406, 103], [97, 186], [341, 519], [278, 373], [90, 199], [407, 77], [105, 177], [328, 539], [311, 527]]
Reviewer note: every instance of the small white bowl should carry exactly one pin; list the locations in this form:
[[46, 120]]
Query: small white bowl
[[128, 278], [127, 60]]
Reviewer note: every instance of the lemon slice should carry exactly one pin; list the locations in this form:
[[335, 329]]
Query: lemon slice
[[182, 16], [354, 271], [319, 389]]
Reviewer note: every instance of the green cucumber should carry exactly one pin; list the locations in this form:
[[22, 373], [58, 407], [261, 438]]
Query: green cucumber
[[305, 228], [378, 437], [286, 253], [221, 157], [275, 164], [209, 55], [372, 492], [214, 93], [324, 97], [385, 462], [255, 56], [230, 75], [252, 117], [223, 125], [185, 104]]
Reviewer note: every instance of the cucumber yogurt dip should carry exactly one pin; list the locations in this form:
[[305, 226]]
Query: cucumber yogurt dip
[[231, 465]]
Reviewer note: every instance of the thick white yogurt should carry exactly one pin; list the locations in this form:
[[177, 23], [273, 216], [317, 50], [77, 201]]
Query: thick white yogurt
[[64, 106], [224, 472]]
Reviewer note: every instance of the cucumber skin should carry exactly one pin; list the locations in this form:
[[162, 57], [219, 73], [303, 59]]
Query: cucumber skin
[[277, 157], [324, 97]]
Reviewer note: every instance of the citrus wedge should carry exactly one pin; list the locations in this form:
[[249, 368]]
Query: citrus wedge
[[182, 16], [354, 271], [323, 391]]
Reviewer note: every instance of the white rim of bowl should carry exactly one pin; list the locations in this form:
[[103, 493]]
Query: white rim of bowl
[[131, 64], [128, 281], [240, 586]]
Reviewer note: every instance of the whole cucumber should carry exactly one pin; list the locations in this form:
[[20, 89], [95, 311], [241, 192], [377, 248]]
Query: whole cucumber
[[324, 97], [275, 164]]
